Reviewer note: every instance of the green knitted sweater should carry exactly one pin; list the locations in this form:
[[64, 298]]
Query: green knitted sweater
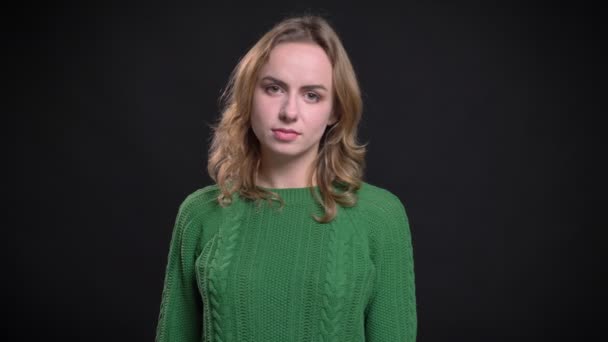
[[262, 274]]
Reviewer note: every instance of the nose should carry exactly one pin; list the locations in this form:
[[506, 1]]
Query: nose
[[289, 110]]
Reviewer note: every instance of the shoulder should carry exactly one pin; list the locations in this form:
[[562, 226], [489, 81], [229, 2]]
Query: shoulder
[[199, 201], [385, 215], [381, 211], [378, 200]]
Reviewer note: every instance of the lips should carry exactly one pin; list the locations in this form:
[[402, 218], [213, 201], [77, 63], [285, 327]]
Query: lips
[[285, 130], [285, 135]]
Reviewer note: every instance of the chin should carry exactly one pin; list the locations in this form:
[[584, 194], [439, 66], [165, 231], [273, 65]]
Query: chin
[[285, 151]]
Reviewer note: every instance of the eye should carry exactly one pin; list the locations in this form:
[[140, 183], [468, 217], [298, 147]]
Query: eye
[[313, 97], [272, 89]]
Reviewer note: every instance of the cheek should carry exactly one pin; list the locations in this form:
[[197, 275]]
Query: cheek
[[321, 118], [262, 107], [259, 115], [256, 123]]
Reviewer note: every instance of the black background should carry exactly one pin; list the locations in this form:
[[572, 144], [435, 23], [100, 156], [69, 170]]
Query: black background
[[482, 118]]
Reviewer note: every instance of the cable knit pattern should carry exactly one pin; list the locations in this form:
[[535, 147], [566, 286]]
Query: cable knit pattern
[[245, 273], [226, 251], [335, 288], [202, 282]]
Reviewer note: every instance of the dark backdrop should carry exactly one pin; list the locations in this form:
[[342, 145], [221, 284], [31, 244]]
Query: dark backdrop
[[481, 119]]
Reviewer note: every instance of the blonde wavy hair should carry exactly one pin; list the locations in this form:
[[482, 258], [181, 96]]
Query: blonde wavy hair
[[234, 154]]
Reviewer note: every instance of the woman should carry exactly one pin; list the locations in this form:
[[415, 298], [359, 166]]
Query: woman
[[290, 244]]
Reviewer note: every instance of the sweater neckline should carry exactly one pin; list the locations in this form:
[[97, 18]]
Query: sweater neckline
[[295, 195]]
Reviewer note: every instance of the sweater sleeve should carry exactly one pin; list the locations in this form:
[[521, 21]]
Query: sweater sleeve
[[180, 314], [391, 312]]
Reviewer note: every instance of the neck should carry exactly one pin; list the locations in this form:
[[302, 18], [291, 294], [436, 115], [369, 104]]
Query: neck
[[280, 173]]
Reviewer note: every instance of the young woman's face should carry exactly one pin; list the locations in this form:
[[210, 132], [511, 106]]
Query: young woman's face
[[292, 101]]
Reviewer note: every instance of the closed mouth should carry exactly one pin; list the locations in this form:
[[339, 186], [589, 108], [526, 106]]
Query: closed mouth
[[286, 130]]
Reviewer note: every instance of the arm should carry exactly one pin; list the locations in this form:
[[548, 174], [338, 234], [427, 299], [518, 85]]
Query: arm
[[180, 310], [391, 312]]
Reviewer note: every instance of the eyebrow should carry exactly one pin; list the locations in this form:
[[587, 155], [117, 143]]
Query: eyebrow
[[284, 85]]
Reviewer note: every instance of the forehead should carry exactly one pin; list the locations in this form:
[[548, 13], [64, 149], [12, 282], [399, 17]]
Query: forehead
[[299, 63]]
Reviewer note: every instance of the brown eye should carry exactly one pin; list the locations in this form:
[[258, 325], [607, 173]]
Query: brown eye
[[272, 89], [313, 97]]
